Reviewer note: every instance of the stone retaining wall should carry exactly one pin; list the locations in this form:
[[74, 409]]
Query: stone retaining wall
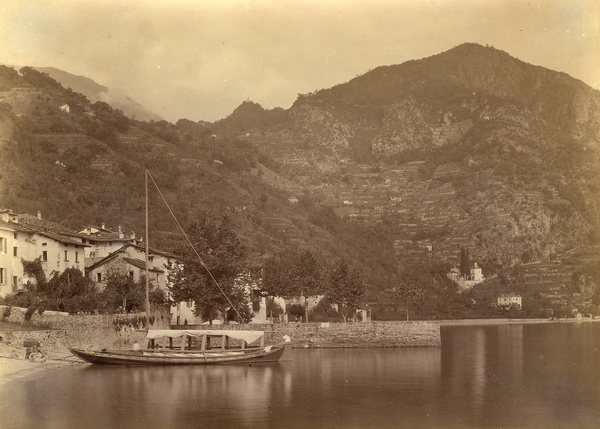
[[123, 330], [85, 330], [363, 334]]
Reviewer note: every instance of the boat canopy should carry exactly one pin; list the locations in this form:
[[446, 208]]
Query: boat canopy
[[248, 336]]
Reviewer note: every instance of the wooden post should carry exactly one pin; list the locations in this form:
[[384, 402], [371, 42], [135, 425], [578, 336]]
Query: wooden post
[[183, 340], [223, 341], [147, 257], [262, 341], [203, 348], [243, 344], [171, 342]]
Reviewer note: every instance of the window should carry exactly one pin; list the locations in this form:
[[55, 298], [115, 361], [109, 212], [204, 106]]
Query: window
[[15, 236], [15, 252], [99, 277], [76, 256], [2, 275], [2, 245], [66, 255], [131, 274], [14, 283], [45, 256]]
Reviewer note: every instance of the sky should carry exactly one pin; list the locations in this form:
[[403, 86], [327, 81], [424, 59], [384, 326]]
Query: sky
[[201, 59]]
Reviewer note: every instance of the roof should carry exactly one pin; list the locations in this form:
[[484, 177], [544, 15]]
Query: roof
[[138, 263], [142, 246], [509, 295], [107, 236], [248, 336], [14, 226], [32, 225], [135, 262], [42, 225]]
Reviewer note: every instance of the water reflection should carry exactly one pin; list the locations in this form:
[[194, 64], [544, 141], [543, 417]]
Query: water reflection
[[510, 376]]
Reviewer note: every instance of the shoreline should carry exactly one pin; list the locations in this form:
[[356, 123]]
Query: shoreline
[[449, 322], [21, 370]]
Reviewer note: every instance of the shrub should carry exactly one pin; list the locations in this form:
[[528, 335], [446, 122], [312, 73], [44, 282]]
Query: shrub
[[6, 312], [29, 313]]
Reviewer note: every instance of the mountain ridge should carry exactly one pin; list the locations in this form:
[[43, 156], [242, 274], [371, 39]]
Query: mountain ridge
[[413, 156]]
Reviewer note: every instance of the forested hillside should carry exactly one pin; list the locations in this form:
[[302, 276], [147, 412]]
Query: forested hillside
[[395, 170]]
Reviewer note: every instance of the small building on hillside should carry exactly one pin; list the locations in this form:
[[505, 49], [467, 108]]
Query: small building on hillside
[[469, 274], [467, 281], [510, 300]]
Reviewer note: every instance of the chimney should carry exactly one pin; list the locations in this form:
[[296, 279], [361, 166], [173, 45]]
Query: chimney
[[39, 215], [103, 227], [132, 235], [4, 214], [89, 230], [121, 235]]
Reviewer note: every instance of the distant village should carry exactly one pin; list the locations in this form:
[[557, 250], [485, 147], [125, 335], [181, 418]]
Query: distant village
[[95, 250]]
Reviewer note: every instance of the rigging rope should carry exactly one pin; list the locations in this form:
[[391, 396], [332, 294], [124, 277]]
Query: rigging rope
[[192, 246]]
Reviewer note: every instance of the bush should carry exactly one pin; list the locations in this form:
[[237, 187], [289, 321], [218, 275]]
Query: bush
[[29, 313], [6, 313], [296, 310], [324, 312]]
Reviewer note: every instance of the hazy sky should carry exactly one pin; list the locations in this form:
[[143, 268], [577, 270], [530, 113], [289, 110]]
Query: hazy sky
[[201, 59]]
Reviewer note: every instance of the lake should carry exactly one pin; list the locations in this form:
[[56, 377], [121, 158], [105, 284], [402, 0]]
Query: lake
[[544, 375]]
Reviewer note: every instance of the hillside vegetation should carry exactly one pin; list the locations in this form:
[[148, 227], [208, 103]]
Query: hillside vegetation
[[394, 170]]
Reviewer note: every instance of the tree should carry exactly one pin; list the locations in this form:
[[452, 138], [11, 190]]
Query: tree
[[276, 277], [123, 293], [273, 309], [408, 294], [293, 277], [209, 281], [465, 261], [307, 278], [345, 288], [68, 291]]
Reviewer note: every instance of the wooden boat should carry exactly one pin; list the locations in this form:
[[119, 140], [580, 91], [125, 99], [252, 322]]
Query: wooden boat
[[166, 351]]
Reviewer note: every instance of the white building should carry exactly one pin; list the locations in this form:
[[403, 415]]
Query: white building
[[509, 300], [102, 242], [25, 237], [466, 282]]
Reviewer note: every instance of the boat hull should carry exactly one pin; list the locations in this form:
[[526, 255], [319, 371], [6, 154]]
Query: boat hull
[[146, 357]]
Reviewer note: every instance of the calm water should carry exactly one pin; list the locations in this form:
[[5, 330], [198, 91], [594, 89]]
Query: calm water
[[498, 376]]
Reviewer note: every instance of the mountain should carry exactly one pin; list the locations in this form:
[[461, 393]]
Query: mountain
[[397, 169], [96, 92], [503, 154]]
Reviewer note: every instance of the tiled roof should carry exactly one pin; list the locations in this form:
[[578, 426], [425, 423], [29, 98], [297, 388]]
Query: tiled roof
[[31, 224], [107, 236], [119, 251], [138, 263], [14, 226], [142, 246], [40, 225]]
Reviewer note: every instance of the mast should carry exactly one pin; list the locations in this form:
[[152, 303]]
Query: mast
[[147, 259]]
